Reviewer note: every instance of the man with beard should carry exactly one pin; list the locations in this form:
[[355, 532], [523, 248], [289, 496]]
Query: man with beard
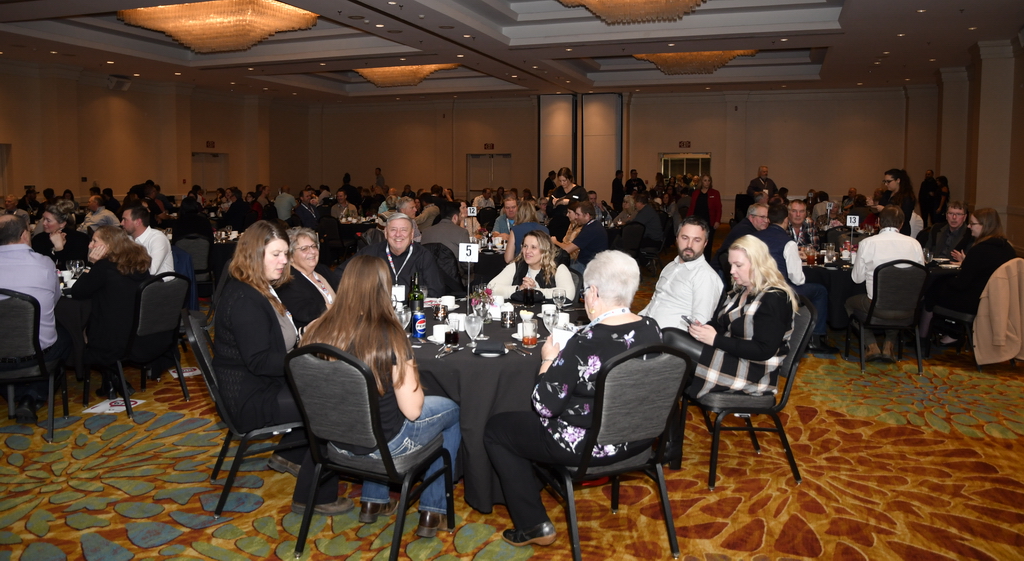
[[688, 285]]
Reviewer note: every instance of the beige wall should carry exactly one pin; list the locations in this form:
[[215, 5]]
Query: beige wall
[[1015, 202], [809, 140]]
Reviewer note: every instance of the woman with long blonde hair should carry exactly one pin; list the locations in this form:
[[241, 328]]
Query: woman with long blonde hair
[[254, 334], [534, 268], [746, 341], [362, 323]]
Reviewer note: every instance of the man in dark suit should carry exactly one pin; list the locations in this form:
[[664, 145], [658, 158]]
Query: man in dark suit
[[307, 211], [618, 191], [756, 220], [235, 215]]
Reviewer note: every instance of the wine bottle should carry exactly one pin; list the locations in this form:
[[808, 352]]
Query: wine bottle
[[416, 295]]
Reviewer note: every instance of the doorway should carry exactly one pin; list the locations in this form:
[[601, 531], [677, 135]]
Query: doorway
[[696, 164], [487, 170], [210, 171]]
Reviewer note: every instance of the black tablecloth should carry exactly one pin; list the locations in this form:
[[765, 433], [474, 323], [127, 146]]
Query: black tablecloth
[[482, 387], [352, 231], [840, 287], [220, 254], [74, 316]]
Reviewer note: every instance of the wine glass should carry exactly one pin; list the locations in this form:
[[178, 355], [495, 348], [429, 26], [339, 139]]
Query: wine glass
[[76, 266], [558, 295], [927, 256], [404, 315], [474, 326]]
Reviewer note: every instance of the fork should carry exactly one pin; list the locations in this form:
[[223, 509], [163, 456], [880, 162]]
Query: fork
[[514, 347]]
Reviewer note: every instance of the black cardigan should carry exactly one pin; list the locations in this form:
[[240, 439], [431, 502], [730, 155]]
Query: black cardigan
[[303, 299], [248, 355], [963, 292], [76, 246]]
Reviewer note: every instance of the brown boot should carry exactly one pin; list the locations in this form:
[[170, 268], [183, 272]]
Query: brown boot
[[430, 522], [368, 512]]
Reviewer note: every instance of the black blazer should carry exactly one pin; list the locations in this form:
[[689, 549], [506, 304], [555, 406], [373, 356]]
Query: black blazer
[[303, 299], [248, 355], [112, 312], [76, 246]]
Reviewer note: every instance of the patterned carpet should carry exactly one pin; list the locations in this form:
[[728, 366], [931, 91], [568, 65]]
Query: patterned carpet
[[895, 465]]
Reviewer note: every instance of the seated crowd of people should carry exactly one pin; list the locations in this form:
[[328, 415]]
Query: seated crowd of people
[[736, 305]]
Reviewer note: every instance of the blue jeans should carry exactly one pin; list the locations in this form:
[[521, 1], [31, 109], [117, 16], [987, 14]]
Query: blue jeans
[[818, 295], [439, 415]]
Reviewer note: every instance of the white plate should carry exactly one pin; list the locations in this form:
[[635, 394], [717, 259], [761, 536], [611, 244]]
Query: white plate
[[491, 355], [950, 265], [435, 341]]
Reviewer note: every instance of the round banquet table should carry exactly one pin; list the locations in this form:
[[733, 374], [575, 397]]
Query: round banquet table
[[839, 283], [74, 316], [220, 254], [482, 387]]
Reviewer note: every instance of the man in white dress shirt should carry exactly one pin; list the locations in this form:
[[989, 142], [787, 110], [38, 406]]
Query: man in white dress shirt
[[886, 246], [688, 285], [135, 222]]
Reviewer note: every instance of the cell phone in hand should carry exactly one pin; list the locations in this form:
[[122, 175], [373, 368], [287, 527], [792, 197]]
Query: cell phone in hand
[[687, 321]]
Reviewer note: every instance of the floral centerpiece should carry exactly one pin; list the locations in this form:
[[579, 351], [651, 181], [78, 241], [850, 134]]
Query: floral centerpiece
[[481, 299]]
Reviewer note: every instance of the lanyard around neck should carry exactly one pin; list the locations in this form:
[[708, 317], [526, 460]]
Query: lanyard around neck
[[608, 314], [406, 262]]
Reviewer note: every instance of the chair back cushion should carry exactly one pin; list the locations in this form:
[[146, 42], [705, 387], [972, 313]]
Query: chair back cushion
[[335, 395], [199, 248], [631, 236], [638, 395], [803, 321], [160, 304], [19, 330], [897, 290]]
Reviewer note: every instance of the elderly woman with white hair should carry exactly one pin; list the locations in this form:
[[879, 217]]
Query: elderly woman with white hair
[[312, 289], [563, 398]]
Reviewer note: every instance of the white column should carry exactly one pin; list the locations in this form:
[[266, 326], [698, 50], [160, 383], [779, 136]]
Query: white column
[[556, 133], [601, 143]]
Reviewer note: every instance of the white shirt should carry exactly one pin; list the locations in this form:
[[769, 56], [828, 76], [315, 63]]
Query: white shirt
[[481, 202], [791, 253], [159, 250], [690, 288], [888, 245]]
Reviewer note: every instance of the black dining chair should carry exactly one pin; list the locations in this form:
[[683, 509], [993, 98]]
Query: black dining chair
[[727, 404], [198, 247], [486, 217], [19, 338], [630, 237], [895, 304], [199, 340], [636, 399], [337, 395]]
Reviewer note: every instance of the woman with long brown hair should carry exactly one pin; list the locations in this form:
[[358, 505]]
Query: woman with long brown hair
[[254, 333], [362, 323], [534, 268], [119, 267], [900, 193]]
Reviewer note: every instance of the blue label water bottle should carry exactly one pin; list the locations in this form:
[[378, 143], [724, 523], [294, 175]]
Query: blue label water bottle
[[419, 322]]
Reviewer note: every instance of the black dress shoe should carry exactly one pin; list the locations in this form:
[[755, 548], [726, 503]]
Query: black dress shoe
[[26, 411], [430, 522], [819, 345], [541, 534], [106, 390]]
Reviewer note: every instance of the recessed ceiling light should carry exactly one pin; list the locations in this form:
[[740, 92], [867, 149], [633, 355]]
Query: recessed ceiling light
[[265, 89], [250, 68], [877, 62], [561, 92], [110, 62], [392, 3], [783, 40], [906, 79], [467, 36], [783, 85], [671, 44], [455, 96], [885, 52], [534, 67], [53, 52], [636, 90], [707, 88], [177, 73], [971, 28], [901, 34], [136, 74], [295, 93], [459, 56], [232, 83], [380, 25], [921, 11], [323, 64], [568, 50], [515, 75], [860, 83], [931, 60], [401, 59], [446, 27], [567, 81]]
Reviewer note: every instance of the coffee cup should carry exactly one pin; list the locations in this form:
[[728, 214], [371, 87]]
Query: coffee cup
[[448, 301], [548, 309], [563, 318], [439, 331]]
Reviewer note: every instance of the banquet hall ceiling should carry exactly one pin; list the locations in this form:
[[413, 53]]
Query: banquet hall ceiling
[[510, 48]]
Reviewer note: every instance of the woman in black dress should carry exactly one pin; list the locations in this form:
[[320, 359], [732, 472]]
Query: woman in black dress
[[59, 239], [119, 267], [900, 193], [962, 292]]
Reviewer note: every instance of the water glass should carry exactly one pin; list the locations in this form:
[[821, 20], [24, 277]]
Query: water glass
[[474, 327], [559, 297]]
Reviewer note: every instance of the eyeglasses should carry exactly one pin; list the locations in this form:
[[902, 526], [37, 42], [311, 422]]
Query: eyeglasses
[[308, 248], [887, 181]]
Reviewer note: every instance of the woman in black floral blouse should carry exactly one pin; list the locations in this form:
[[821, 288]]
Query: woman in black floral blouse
[[564, 396]]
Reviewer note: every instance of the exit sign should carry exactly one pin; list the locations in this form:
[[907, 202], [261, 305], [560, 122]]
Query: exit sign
[[211, 144], [684, 143], [489, 146]]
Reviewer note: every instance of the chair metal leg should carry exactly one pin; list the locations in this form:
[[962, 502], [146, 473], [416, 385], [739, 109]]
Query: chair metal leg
[[49, 409], [221, 456], [917, 341], [64, 392], [307, 515], [403, 505], [574, 531], [615, 494], [229, 481], [785, 445], [10, 401], [666, 510], [847, 355], [85, 386], [861, 326], [124, 392], [181, 374], [143, 374], [753, 435], [716, 435], [449, 486]]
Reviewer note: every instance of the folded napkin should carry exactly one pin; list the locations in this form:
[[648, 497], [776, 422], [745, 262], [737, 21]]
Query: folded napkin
[[489, 347]]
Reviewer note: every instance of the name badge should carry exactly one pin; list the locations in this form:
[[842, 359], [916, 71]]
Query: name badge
[[398, 292]]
